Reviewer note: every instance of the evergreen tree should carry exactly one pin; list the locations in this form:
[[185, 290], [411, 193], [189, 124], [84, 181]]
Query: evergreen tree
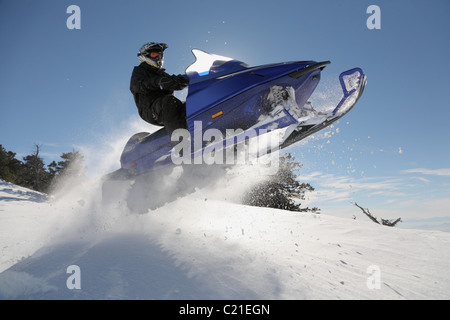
[[31, 173], [34, 174], [10, 167], [70, 169], [71, 165], [282, 190]]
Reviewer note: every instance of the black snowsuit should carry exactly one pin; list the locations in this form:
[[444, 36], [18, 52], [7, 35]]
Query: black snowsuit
[[156, 105]]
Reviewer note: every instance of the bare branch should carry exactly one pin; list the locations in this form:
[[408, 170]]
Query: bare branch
[[367, 213], [384, 222]]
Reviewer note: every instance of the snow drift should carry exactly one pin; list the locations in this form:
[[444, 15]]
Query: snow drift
[[204, 247]]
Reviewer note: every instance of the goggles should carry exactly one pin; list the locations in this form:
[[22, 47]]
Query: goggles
[[155, 55]]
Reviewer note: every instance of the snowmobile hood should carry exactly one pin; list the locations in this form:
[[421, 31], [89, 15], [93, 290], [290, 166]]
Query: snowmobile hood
[[225, 78]]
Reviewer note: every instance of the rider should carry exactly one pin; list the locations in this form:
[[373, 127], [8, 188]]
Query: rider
[[153, 89]]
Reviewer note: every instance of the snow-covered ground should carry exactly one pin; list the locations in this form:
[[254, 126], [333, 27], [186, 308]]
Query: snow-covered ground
[[203, 247]]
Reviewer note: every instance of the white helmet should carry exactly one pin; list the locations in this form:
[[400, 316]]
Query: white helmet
[[153, 54]]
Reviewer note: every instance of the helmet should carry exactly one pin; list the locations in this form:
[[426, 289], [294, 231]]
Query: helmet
[[153, 54]]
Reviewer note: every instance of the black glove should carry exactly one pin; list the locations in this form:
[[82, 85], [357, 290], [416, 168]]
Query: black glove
[[182, 80], [173, 82]]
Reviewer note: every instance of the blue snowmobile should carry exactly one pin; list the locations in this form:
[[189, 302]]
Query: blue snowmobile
[[236, 102]]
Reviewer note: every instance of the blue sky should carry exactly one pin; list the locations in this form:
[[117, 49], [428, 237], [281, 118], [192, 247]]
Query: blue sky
[[66, 88]]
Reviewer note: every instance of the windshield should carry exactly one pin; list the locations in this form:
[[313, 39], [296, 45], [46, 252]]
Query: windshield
[[208, 64]]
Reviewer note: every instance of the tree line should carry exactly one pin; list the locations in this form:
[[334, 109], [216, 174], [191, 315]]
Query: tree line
[[31, 172], [280, 191]]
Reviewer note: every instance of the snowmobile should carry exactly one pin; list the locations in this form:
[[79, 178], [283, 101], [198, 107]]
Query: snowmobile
[[236, 102]]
